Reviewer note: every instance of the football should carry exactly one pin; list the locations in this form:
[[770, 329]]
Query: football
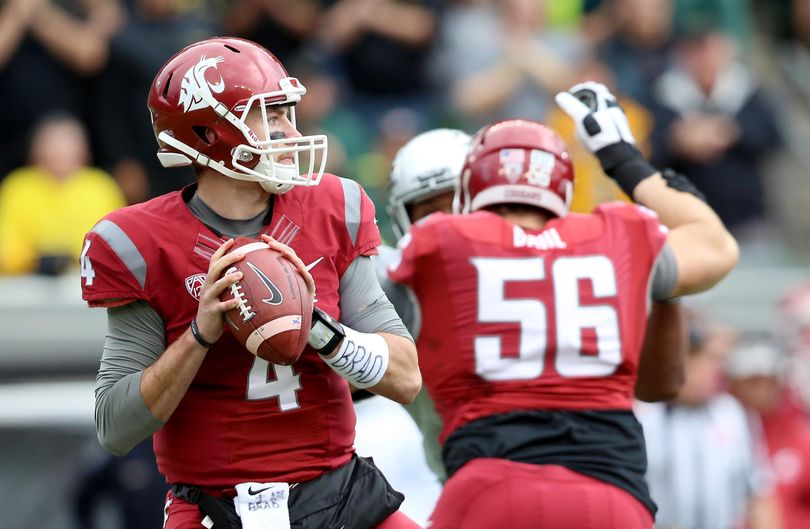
[[274, 313]]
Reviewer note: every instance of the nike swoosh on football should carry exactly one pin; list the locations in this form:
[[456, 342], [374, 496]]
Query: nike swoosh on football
[[254, 492], [275, 294]]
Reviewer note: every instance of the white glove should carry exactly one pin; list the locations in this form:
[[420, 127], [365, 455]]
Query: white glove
[[603, 129], [599, 119]]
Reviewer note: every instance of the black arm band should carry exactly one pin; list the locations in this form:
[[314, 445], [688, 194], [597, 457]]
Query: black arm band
[[195, 331], [325, 333], [680, 182], [625, 164]]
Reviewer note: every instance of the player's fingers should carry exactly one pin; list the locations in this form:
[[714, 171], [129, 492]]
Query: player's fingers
[[211, 291], [231, 276], [225, 306], [224, 262], [308, 279], [287, 252], [223, 248], [571, 105], [290, 255], [279, 246]]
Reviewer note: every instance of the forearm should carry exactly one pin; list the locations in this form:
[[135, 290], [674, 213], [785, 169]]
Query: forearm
[[376, 353], [663, 355], [704, 249], [407, 23], [77, 44], [544, 66], [763, 513], [13, 25], [298, 17], [483, 91], [165, 382], [402, 380], [382, 363]]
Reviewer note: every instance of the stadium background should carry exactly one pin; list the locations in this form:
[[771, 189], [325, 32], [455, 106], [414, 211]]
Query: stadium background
[[50, 343]]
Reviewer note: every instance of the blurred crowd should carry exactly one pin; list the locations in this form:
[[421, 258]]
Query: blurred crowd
[[74, 75]]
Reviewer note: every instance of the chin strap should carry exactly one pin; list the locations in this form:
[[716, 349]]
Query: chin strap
[[189, 156]]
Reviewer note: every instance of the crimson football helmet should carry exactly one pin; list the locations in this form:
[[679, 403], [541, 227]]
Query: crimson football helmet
[[516, 161], [199, 102]]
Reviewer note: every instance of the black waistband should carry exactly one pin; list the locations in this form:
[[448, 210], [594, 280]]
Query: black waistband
[[356, 495], [605, 445]]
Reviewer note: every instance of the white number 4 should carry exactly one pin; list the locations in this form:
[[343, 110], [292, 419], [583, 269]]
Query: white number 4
[[284, 384], [86, 270]]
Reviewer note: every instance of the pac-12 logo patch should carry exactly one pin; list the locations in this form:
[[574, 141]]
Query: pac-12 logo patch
[[194, 285]]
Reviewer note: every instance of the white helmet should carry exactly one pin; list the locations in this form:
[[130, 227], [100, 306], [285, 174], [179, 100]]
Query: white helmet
[[424, 167]]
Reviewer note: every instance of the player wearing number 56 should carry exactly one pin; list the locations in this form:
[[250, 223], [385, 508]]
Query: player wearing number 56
[[533, 320], [226, 421]]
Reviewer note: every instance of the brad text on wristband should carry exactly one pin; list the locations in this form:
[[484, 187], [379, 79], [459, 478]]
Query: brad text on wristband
[[195, 331]]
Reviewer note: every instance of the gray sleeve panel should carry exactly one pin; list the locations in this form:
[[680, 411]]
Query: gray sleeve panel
[[403, 298], [353, 202], [665, 274], [135, 340], [123, 246], [405, 303], [363, 304]]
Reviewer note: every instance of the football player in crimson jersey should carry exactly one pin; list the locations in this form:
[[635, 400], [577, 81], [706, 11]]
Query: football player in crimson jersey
[[231, 431], [533, 319], [423, 181]]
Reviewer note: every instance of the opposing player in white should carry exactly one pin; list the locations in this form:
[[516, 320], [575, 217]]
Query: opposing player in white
[[423, 180]]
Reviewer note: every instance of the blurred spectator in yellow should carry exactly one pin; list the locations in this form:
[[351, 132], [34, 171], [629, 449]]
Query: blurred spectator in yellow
[[48, 206], [707, 467], [48, 51], [513, 72], [756, 374], [591, 186], [714, 124]]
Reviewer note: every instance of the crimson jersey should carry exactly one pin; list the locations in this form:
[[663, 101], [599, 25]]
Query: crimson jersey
[[787, 433], [242, 418], [516, 319]]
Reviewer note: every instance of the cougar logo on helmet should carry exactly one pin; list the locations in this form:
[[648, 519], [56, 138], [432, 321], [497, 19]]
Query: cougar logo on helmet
[[194, 87]]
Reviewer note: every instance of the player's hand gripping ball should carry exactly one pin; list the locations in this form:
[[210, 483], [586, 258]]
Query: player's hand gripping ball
[[274, 313]]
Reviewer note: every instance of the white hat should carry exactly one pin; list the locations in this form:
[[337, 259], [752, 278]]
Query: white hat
[[755, 359]]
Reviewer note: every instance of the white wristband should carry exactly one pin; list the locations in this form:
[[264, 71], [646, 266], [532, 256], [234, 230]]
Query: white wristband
[[361, 358]]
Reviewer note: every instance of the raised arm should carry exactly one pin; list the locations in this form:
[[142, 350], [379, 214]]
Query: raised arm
[[704, 250]]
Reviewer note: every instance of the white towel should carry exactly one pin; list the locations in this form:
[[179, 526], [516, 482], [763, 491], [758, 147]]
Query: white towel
[[263, 505]]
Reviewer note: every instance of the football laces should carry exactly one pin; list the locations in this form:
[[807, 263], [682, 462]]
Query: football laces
[[245, 309]]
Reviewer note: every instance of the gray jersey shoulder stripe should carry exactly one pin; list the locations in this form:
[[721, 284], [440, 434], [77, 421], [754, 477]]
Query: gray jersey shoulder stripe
[[123, 246], [352, 199]]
